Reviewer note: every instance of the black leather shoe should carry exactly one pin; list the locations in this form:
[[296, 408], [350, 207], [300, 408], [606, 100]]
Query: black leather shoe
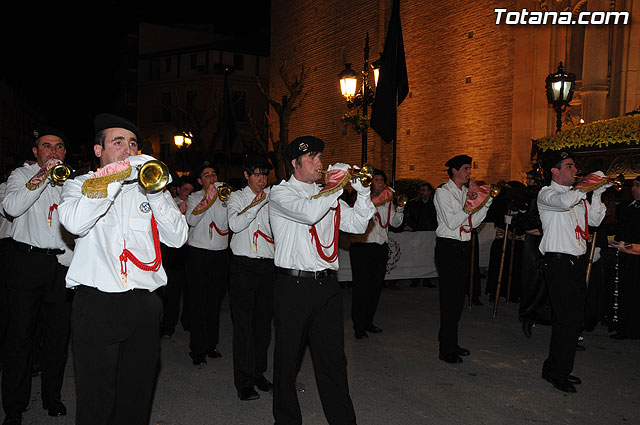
[[264, 385], [13, 420], [462, 351], [574, 380], [361, 335], [54, 407], [214, 354], [198, 358], [526, 327], [562, 384], [450, 358], [580, 347], [248, 393], [374, 329]]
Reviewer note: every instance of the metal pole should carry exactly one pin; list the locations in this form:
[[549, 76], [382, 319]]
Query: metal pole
[[498, 285], [365, 98]]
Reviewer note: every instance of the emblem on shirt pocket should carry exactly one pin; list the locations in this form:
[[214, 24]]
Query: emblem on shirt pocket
[[145, 207]]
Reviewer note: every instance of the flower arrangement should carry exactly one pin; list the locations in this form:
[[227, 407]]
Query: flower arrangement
[[359, 122], [614, 131]]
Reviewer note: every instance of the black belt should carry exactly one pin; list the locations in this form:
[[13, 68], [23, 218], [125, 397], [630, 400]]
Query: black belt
[[23, 247], [563, 256], [319, 275]]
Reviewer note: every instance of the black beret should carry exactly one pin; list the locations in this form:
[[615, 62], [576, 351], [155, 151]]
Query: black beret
[[104, 121], [302, 145], [252, 161], [48, 131], [552, 159], [458, 161], [379, 172]]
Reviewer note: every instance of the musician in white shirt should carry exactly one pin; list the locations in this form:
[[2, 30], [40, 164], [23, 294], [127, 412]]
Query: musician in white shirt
[[35, 277], [453, 253], [115, 272], [369, 253], [308, 300], [207, 264], [252, 275], [566, 216]]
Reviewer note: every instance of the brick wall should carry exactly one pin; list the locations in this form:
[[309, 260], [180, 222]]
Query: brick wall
[[460, 67]]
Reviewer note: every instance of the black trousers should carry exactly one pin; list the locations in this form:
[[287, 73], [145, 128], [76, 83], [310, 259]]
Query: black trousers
[[565, 277], [207, 277], [534, 302], [368, 267], [310, 310], [251, 284], [174, 261], [629, 298], [116, 347], [35, 293], [5, 250], [453, 261]]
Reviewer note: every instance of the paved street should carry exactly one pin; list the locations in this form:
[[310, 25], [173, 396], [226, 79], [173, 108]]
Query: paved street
[[396, 377]]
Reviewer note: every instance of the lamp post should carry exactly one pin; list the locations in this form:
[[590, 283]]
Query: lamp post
[[182, 142], [364, 96], [559, 87]]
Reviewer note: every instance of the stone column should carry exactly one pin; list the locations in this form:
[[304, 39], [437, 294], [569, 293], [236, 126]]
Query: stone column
[[595, 85]]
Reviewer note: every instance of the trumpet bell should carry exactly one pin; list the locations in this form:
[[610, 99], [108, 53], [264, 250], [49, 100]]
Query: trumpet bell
[[618, 182], [224, 191], [494, 190], [400, 199], [59, 174], [153, 175]]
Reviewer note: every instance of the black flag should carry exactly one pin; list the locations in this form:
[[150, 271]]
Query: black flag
[[393, 83]]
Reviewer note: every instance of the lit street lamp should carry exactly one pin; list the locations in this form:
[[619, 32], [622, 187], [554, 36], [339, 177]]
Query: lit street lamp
[[559, 87], [362, 98], [182, 142]]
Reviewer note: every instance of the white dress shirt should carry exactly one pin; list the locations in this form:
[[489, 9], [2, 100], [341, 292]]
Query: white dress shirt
[[388, 215], [449, 202], [105, 226], [202, 233], [561, 211], [31, 209], [293, 212], [5, 222], [249, 227]]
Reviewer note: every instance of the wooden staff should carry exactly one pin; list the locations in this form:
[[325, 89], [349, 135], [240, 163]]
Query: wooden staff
[[504, 249], [591, 253], [473, 260], [513, 247]]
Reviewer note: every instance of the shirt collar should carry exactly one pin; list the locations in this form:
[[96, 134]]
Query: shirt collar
[[559, 188]]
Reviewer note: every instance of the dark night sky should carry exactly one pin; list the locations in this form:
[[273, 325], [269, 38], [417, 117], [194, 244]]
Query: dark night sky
[[66, 65]]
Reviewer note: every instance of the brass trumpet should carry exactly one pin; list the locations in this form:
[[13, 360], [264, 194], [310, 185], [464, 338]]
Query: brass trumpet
[[399, 199], [59, 174], [365, 174], [494, 190], [224, 191], [153, 175], [617, 182]]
